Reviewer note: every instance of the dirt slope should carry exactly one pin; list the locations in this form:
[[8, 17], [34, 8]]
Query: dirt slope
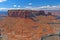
[[26, 29]]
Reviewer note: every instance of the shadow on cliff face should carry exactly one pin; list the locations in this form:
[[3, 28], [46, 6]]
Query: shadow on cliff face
[[51, 37]]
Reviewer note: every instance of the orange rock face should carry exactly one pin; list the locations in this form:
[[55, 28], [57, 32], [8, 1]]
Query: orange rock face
[[26, 29]]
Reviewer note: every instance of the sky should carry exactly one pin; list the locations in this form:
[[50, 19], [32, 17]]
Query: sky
[[30, 4]]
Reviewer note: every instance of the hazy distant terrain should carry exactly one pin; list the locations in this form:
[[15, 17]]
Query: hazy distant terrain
[[54, 12]]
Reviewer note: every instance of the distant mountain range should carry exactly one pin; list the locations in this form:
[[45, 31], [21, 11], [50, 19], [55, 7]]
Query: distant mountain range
[[54, 12], [3, 13]]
